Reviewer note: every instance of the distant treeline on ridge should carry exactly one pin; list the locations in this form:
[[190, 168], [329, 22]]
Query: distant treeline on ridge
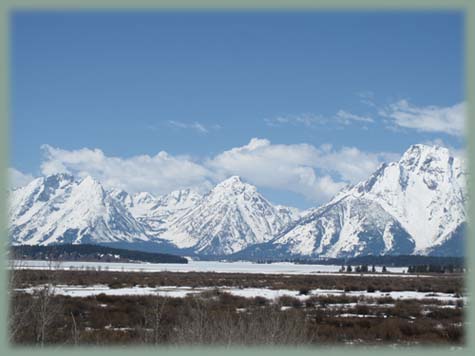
[[89, 252]]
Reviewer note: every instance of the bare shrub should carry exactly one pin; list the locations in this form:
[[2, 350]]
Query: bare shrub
[[153, 321], [288, 301], [200, 323]]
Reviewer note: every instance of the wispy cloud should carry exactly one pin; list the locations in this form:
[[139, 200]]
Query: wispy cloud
[[397, 116], [448, 120], [341, 118], [307, 120], [195, 126], [346, 118]]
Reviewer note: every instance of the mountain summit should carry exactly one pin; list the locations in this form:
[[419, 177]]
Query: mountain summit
[[59, 209], [425, 191], [413, 206], [232, 216]]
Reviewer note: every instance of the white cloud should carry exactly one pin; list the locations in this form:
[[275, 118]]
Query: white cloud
[[342, 117], [18, 179], [317, 173], [448, 120], [287, 167], [352, 164], [398, 116], [301, 168], [307, 120], [158, 174], [347, 118], [196, 126]]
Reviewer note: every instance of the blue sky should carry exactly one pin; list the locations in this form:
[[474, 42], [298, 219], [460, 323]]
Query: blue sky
[[118, 88]]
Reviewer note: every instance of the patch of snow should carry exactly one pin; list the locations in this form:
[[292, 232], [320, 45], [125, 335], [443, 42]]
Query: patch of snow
[[205, 266], [271, 294]]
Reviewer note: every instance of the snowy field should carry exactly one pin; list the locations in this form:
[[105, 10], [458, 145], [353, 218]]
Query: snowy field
[[271, 294], [200, 266]]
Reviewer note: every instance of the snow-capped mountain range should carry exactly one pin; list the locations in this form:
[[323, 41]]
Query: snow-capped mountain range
[[59, 209], [231, 217], [413, 206]]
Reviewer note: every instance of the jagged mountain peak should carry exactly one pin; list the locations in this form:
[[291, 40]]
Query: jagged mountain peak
[[144, 197], [89, 183], [234, 185], [422, 150], [180, 195], [434, 165], [425, 190], [423, 158], [230, 217], [177, 201], [58, 178], [411, 205], [61, 209], [51, 183], [121, 195], [232, 180]]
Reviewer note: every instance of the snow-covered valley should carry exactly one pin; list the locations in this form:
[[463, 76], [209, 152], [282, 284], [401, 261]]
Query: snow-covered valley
[[267, 293], [200, 266]]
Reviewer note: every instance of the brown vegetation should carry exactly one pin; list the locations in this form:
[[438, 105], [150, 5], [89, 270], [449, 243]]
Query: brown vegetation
[[218, 318], [452, 283], [226, 319]]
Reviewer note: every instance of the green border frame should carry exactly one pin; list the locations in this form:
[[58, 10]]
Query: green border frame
[[466, 6]]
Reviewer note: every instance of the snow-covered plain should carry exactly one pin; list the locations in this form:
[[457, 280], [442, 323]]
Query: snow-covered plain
[[271, 294], [201, 266]]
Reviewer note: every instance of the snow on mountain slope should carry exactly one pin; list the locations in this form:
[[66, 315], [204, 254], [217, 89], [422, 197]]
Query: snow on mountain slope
[[425, 191], [288, 214], [177, 202], [347, 227], [139, 204], [157, 212], [409, 206], [26, 201], [58, 209], [229, 218]]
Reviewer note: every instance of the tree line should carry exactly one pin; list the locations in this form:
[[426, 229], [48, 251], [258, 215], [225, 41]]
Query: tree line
[[89, 252]]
